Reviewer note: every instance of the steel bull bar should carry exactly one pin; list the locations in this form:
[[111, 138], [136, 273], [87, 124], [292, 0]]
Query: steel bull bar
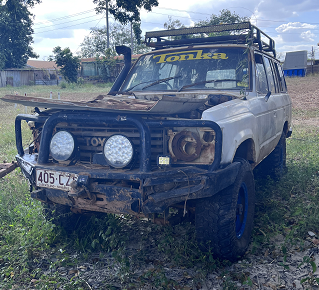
[[202, 181]]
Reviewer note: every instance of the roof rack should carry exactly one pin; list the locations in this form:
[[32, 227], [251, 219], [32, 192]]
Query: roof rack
[[240, 33]]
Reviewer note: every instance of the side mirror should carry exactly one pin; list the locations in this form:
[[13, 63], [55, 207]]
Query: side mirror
[[267, 96]]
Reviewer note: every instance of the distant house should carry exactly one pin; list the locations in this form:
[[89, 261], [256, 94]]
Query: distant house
[[34, 73], [295, 63], [46, 72]]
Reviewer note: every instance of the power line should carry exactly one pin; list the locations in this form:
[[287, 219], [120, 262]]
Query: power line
[[89, 33], [64, 27], [259, 19], [47, 26], [64, 17]]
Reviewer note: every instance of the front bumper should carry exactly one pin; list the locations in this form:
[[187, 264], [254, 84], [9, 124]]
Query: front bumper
[[119, 191]]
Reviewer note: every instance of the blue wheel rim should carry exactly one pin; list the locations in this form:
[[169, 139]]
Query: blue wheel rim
[[241, 210]]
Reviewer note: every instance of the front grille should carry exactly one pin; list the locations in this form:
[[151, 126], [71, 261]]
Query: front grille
[[91, 140]]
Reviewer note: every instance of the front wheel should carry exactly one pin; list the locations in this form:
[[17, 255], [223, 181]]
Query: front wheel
[[224, 222]]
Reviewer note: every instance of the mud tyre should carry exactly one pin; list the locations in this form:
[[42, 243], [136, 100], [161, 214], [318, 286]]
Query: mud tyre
[[274, 165], [224, 222]]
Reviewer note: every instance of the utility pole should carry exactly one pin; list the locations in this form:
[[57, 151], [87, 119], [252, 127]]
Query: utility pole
[[107, 25], [132, 37], [312, 58]]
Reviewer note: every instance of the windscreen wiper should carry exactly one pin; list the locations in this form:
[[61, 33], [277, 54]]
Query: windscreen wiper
[[160, 81], [205, 82]]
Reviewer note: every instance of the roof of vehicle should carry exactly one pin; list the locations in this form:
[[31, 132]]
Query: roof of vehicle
[[233, 33]]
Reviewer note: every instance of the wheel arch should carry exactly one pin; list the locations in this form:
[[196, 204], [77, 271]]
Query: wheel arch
[[246, 150]]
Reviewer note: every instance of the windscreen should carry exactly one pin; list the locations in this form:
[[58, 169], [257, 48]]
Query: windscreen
[[193, 69]]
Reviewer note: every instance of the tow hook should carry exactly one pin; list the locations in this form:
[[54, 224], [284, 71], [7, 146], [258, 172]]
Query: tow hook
[[80, 188]]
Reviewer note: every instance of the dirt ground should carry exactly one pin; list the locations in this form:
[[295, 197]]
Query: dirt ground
[[304, 92]]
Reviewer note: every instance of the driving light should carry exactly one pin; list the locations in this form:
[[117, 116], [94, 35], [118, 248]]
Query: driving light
[[118, 151], [62, 146]]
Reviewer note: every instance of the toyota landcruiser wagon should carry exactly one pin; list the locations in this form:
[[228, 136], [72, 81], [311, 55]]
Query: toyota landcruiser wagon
[[181, 129]]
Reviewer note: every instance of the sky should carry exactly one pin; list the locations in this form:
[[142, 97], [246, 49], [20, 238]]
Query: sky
[[293, 24]]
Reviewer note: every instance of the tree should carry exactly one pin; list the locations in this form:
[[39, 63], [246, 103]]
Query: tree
[[173, 24], [16, 33], [225, 16], [126, 11], [95, 45], [69, 64]]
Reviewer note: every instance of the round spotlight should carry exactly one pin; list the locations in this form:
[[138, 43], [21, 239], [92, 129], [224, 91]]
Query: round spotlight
[[118, 151], [62, 146]]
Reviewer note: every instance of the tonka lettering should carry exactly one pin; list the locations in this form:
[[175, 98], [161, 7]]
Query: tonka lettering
[[188, 55]]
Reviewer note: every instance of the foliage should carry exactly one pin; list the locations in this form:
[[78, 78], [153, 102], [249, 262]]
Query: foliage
[[126, 11], [173, 23], [225, 16], [95, 45], [106, 64], [16, 33], [69, 64]]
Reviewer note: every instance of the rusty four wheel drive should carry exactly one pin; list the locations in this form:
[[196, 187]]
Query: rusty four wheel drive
[[183, 128]]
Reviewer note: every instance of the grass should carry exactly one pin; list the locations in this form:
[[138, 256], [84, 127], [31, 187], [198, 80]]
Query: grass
[[33, 249], [44, 91]]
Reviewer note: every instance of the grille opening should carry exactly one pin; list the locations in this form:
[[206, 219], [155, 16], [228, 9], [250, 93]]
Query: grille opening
[[91, 140]]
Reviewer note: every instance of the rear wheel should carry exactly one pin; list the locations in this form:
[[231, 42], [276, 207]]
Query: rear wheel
[[224, 222], [274, 165]]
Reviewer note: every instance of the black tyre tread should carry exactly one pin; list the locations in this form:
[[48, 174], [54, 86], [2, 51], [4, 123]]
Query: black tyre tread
[[216, 216], [273, 165]]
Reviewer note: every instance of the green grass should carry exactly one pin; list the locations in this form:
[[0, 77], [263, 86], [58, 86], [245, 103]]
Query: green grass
[[44, 91], [289, 207]]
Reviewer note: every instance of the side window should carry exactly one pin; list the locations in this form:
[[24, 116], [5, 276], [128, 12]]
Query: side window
[[261, 79], [270, 75], [282, 82], [277, 77]]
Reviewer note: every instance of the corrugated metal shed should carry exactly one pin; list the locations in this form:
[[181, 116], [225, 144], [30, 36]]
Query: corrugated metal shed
[[296, 60]]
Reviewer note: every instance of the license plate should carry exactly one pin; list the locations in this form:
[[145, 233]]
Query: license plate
[[55, 179]]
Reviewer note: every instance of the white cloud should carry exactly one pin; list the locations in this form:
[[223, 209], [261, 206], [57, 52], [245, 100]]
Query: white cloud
[[291, 26], [296, 32], [307, 36]]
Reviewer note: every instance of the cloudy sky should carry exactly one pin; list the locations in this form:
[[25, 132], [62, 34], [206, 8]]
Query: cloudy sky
[[293, 24]]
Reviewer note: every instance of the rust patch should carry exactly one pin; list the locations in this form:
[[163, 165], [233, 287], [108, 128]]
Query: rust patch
[[101, 102]]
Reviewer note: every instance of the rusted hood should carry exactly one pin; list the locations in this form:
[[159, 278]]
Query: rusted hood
[[99, 103], [155, 104]]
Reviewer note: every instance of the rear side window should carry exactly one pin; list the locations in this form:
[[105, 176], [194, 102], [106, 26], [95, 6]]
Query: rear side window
[[261, 79], [270, 75], [282, 82]]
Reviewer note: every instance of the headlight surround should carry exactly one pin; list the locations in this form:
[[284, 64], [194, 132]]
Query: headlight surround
[[62, 146], [118, 151]]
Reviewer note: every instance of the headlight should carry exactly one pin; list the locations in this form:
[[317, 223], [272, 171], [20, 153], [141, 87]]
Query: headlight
[[118, 151], [186, 146], [62, 146]]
